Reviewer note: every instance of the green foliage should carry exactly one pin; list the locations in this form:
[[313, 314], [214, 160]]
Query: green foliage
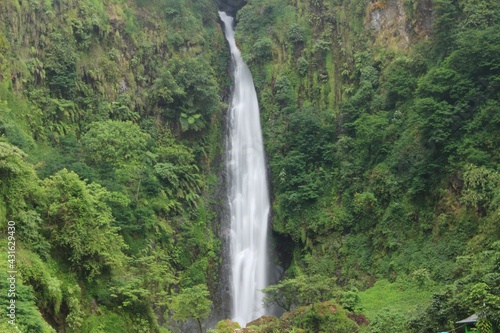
[[391, 304], [388, 321], [17, 180], [191, 303], [113, 142], [257, 15], [94, 91], [479, 13], [60, 65], [475, 291], [27, 316], [107, 322], [302, 66], [31, 227], [350, 300], [300, 171], [188, 87], [11, 128], [301, 290], [315, 321], [399, 81], [444, 23], [318, 317], [397, 176], [165, 89], [48, 288], [480, 188], [80, 222], [262, 50], [324, 317], [194, 122], [296, 34], [226, 326], [177, 170], [284, 93], [384, 161]]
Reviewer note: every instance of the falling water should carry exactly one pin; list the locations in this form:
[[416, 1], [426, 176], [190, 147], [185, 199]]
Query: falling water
[[247, 191]]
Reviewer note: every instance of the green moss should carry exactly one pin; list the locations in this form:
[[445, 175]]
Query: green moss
[[226, 326]]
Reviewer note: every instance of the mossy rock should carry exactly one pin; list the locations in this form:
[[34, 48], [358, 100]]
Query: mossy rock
[[264, 324], [264, 320], [226, 326], [317, 317]]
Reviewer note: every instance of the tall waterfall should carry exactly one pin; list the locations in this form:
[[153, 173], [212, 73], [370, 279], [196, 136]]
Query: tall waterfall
[[247, 191]]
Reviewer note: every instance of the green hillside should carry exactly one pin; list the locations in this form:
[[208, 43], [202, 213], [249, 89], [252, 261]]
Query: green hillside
[[110, 117], [381, 123], [382, 127]]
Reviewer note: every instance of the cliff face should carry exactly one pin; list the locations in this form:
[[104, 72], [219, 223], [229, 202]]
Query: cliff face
[[231, 6], [382, 132], [372, 147], [114, 108], [397, 25]]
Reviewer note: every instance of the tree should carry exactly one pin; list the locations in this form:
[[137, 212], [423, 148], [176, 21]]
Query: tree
[[177, 171], [191, 303], [480, 13], [389, 321], [307, 154], [480, 187], [113, 142], [187, 90], [17, 180], [301, 290], [399, 81], [165, 89], [444, 23], [80, 222]]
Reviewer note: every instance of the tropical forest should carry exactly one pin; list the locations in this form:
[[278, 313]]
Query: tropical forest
[[249, 166]]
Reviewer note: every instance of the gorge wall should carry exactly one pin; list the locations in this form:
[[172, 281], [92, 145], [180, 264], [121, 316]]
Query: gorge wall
[[380, 126]]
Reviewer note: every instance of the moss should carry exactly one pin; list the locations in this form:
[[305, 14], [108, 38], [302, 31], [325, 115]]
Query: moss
[[226, 326], [317, 317]]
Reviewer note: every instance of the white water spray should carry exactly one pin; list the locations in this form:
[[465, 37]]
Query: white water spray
[[248, 191]]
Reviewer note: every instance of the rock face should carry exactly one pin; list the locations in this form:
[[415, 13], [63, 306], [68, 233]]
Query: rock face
[[394, 25], [388, 20], [231, 6]]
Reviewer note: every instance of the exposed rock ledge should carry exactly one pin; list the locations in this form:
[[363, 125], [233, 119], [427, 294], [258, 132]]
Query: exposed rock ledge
[[231, 6]]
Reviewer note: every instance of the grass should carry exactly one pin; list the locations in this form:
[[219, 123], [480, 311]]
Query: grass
[[403, 296]]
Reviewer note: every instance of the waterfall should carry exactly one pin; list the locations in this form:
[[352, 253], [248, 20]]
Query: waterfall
[[247, 191]]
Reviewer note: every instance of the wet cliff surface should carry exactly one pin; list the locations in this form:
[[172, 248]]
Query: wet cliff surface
[[231, 7]]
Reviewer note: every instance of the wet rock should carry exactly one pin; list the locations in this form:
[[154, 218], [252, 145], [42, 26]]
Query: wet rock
[[231, 6]]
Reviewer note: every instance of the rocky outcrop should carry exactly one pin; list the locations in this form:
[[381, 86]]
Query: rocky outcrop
[[318, 317], [231, 6], [388, 21], [395, 25]]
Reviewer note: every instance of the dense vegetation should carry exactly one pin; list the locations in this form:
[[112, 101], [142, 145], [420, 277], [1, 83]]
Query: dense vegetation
[[110, 123], [382, 127]]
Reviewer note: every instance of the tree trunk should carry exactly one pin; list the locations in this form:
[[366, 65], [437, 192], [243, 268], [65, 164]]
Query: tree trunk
[[199, 324]]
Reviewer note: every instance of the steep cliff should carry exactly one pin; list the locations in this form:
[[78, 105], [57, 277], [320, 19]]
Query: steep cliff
[[381, 133], [381, 127], [110, 124]]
